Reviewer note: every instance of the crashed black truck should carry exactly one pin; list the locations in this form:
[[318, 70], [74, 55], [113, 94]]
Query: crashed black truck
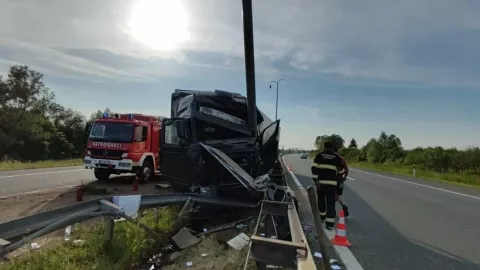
[[207, 146]]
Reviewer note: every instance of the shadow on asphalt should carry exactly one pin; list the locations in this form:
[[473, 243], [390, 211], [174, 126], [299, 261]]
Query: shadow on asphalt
[[377, 245]]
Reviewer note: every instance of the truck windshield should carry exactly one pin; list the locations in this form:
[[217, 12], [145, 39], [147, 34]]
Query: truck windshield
[[112, 132]]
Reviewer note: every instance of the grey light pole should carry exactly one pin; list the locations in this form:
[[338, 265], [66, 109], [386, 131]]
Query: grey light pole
[[276, 107]]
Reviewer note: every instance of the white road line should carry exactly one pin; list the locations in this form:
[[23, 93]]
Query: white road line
[[38, 191], [348, 177], [289, 168], [421, 185], [42, 173], [351, 263]]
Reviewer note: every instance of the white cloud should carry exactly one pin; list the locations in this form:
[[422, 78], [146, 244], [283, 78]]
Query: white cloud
[[373, 39]]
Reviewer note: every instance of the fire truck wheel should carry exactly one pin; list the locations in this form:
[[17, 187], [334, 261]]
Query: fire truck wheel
[[147, 171], [101, 175]]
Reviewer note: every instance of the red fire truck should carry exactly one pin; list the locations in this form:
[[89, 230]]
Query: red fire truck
[[123, 143]]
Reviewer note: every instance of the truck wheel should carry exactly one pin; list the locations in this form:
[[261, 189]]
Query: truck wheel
[[146, 172], [101, 175]]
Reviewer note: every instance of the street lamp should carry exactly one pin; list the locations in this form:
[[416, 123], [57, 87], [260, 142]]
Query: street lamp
[[276, 107]]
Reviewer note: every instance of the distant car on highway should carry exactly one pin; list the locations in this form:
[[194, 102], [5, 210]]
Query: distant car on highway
[[304, 156]]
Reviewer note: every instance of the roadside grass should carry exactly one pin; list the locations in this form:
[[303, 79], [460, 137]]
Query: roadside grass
[[130, 244], [15, 165], [458, 179]]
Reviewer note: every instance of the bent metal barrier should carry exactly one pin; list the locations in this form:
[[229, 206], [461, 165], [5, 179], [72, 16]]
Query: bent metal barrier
[[264, 250]]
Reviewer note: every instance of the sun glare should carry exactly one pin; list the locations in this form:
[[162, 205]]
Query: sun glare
[[159, 24]]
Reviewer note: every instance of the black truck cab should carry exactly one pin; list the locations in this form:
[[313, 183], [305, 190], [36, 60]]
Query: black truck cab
[[206, 143]]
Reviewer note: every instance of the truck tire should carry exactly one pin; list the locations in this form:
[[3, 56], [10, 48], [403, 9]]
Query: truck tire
[[146, 171], [101, 174]]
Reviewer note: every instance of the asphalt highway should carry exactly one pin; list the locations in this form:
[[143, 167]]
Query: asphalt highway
[[25, 181], [404, 223]]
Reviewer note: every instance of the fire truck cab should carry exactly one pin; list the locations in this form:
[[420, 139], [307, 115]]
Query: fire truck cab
[[123, 143]]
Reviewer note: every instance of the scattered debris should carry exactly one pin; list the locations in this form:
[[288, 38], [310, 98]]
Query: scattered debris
[[188, 264], [336, 267], [162, 185], [34, 246], [237, 224], [241, 226], [239, 241], [78, 242], [68, 232], [184, 239]]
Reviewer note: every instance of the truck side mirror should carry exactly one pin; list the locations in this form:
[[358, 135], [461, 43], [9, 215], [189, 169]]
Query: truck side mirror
[[88, 128]]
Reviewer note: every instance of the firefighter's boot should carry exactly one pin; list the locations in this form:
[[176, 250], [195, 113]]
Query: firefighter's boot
[[345, 211]]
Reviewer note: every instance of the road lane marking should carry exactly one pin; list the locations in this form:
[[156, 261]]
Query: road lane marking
[[42, 173], [351, 263], [421, 185], [348, 177]]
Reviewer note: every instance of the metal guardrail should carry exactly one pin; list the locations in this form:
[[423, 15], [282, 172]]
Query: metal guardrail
[[50, 221]]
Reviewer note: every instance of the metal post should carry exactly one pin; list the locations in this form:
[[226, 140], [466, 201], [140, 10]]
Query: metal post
[[414, 171], [276, 104], [249, 65], [110, 230], [322, 238]]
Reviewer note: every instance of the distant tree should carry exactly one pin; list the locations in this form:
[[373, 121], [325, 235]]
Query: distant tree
[[32, 125], [353, 144], [337, 141], [387, 149]]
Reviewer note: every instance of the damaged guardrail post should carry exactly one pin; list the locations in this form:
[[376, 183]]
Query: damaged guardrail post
[[110, 207], [187, 206], [322, 238]]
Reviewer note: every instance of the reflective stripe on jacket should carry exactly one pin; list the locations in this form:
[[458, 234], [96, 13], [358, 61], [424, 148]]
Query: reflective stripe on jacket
[[325, 168]]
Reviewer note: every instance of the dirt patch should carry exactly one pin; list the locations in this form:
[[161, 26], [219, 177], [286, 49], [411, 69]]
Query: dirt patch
[[212, 253]]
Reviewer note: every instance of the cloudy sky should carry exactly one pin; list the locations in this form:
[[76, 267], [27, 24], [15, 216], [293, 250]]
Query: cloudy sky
[[354, 68]]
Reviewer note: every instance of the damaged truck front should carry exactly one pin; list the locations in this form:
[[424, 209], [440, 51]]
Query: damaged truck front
[[206, 145]]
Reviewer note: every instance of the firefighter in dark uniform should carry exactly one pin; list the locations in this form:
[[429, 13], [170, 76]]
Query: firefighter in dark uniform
[[325, 168]]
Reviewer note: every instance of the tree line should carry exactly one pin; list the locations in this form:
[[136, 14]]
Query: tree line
[[33, 126], [388, 149]]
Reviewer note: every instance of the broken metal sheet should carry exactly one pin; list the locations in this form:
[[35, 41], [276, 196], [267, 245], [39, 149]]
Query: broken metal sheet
[[262, 182], [239, 242], [184, 239], [130, 204], [241, 175]]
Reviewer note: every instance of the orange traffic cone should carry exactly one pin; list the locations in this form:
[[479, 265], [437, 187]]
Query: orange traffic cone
[[340, 238]]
